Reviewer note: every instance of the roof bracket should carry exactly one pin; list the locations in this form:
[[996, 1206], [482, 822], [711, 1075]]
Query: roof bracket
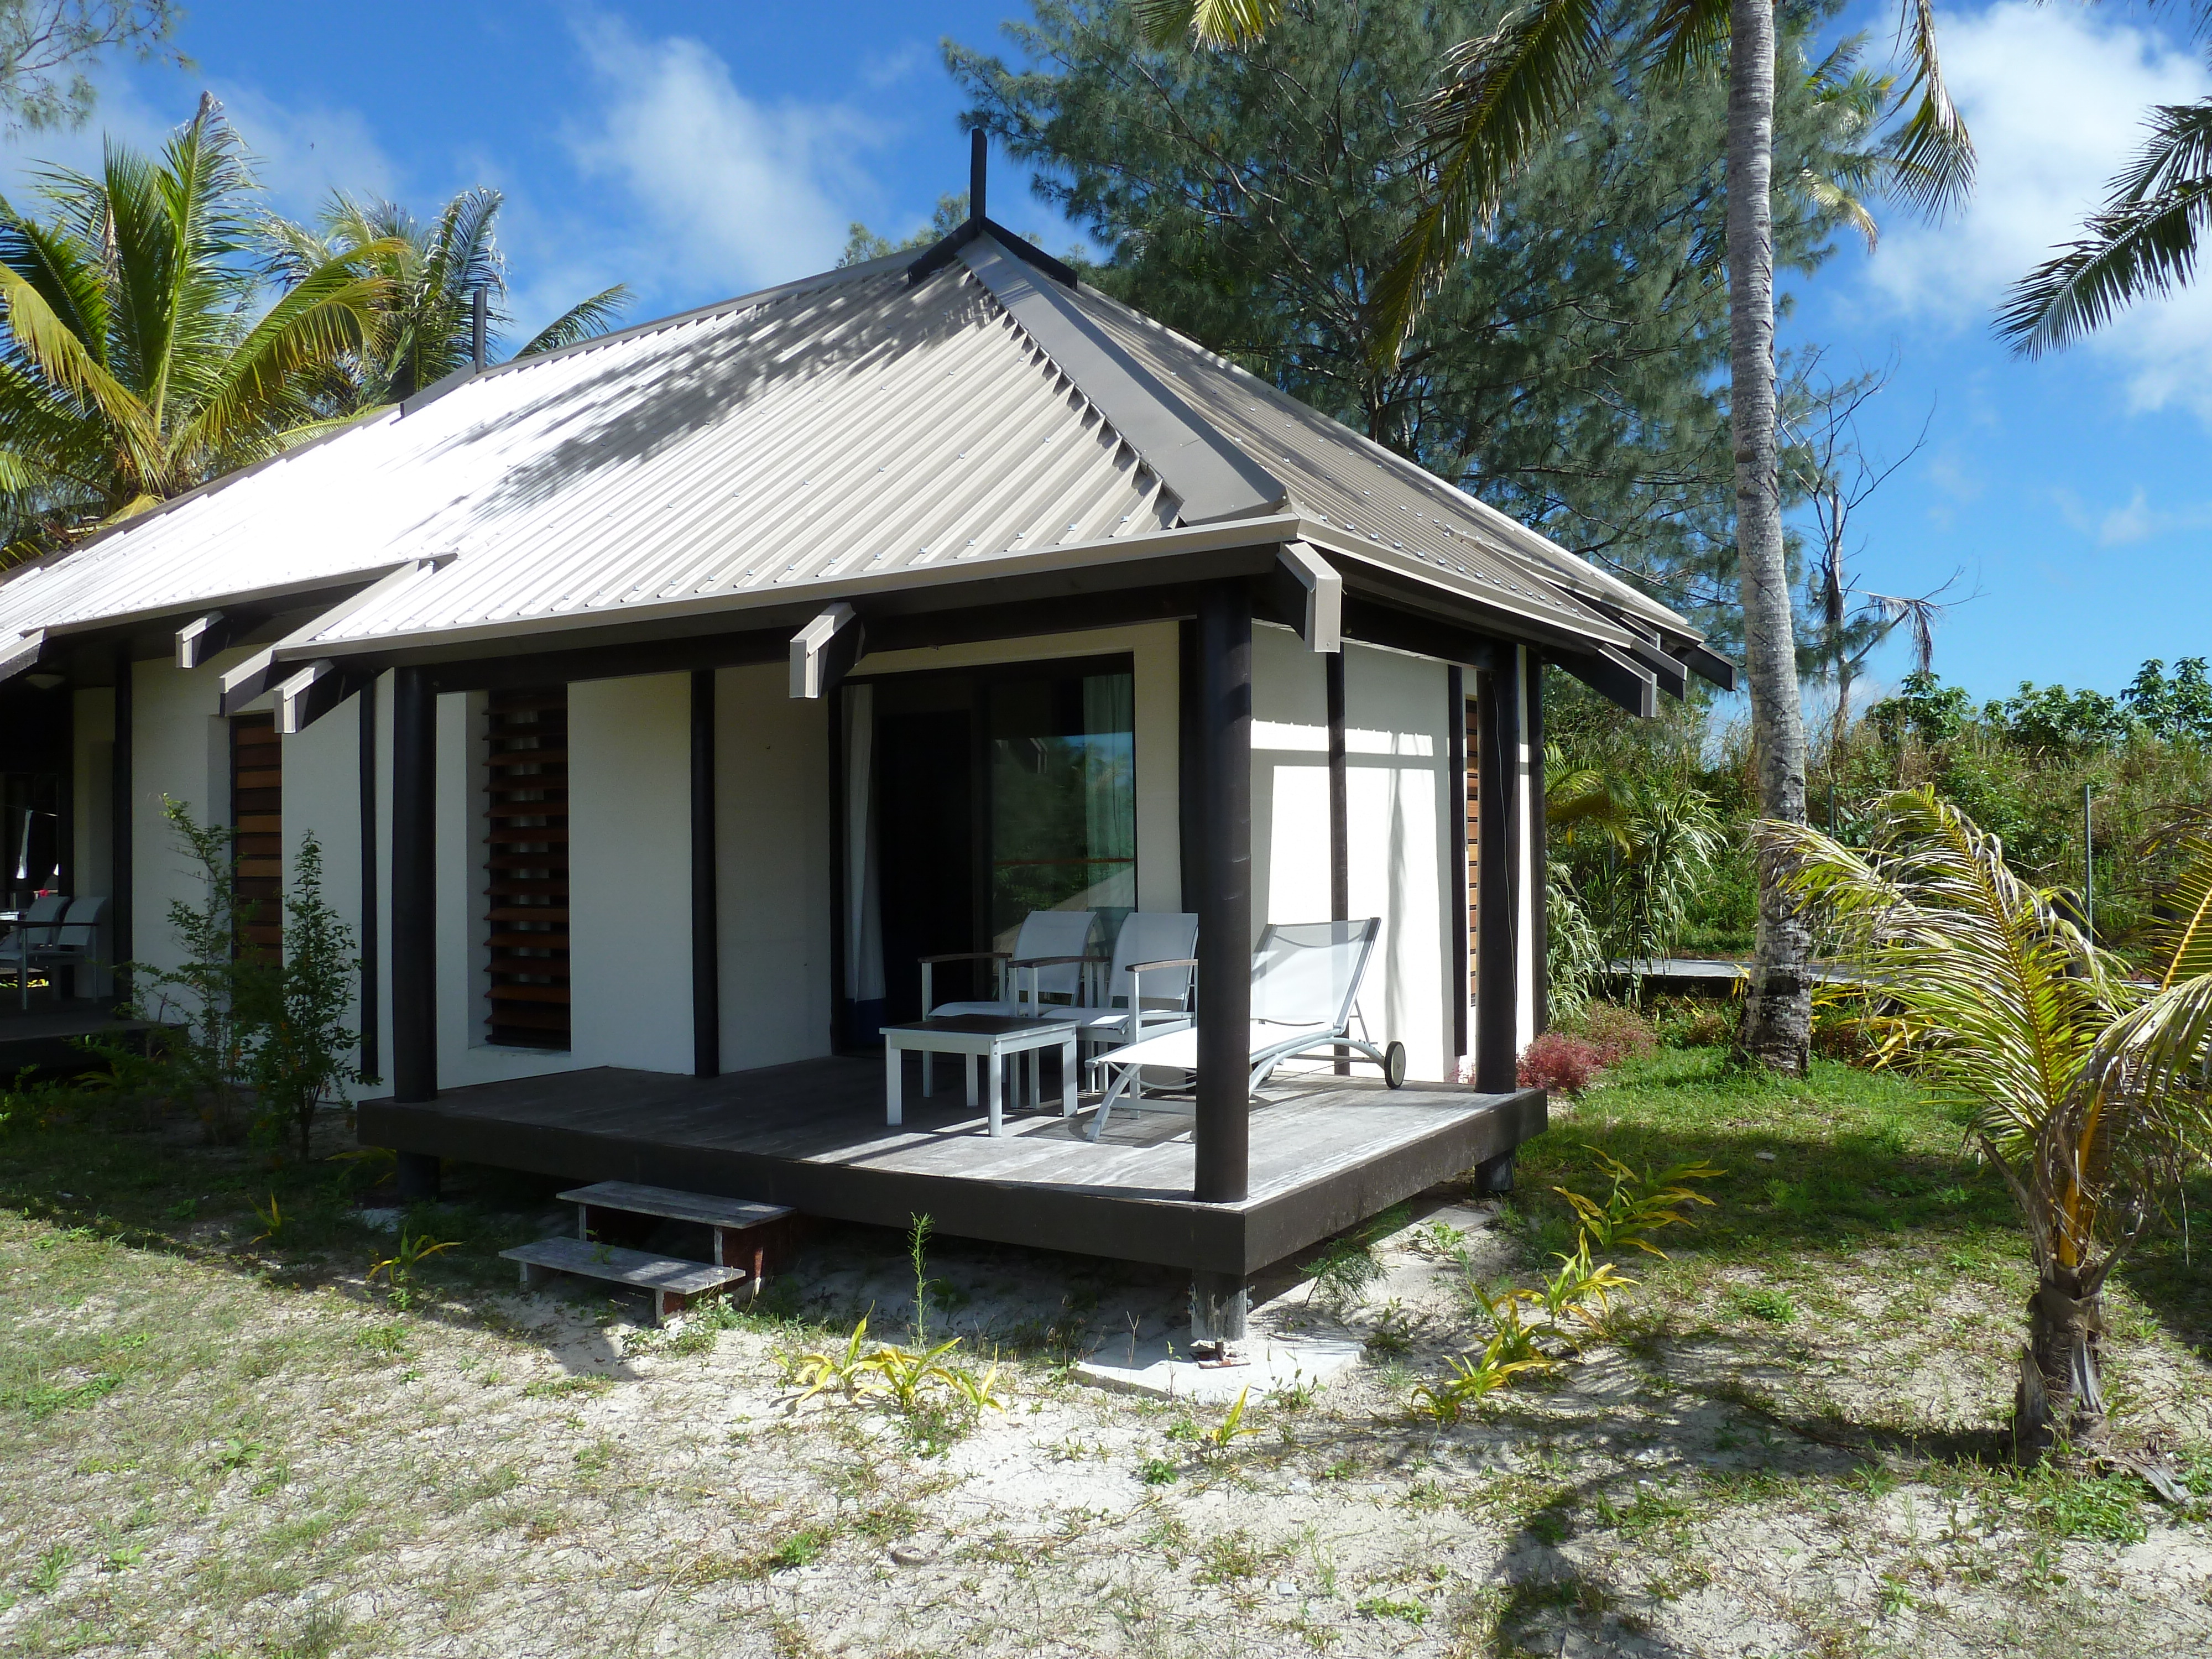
[[1308, 592], [262, 670], [199, 640], [308, 696], [823, 652], [1621, 682], [1709, 665], [21, 653]]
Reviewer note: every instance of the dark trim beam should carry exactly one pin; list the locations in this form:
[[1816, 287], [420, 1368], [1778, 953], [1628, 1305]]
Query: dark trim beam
[[706, 916], [120, 943], [1372, 624], [1339, 815], [1498, 736], [414, 887], [1224, 906], [1539, 860], [1455, 742], [1624, 684], [372, 923]]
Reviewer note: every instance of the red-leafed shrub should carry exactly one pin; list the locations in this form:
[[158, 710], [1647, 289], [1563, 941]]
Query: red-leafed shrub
[[1559, 1062], [1618, 1033]]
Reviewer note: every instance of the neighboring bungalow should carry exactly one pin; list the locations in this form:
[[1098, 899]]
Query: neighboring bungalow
[[658, 702]]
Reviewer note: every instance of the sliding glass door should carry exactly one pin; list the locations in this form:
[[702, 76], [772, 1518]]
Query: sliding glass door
[[971, 799]]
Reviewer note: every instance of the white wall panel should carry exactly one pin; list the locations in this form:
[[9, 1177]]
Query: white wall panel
[[180, 750], [772, 847], [322, 797], [629, 872]]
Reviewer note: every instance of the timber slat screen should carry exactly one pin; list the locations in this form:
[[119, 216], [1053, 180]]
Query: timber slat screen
[[1474, 837], [528, 866], [257, 819]]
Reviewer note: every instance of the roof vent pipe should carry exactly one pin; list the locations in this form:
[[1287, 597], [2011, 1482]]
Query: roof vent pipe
[[979, 164], [479, 306]]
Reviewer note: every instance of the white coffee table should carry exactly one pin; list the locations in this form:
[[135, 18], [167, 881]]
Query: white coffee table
[[982, 1039]]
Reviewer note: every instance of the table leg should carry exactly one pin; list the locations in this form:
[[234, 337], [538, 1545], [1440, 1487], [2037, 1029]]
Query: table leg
[[928, 1071], [1068, 1077], [969, 1065], [894, 1064], [1033, 1077], [997, 1089]]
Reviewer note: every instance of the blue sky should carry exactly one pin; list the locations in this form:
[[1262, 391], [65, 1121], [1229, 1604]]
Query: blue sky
[[696, 151]]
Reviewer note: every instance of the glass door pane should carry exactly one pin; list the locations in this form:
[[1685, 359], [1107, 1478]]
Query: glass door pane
[[1063, 816]]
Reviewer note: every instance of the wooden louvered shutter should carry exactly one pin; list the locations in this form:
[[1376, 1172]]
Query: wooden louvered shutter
[[528, 864], [257, 819]]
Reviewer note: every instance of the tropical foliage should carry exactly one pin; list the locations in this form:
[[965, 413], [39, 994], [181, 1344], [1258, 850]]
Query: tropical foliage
[[428, 277], [138, 362], [2085, 1088]]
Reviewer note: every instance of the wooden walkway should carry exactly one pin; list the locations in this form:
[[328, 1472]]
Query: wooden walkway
[[1327, 1153]]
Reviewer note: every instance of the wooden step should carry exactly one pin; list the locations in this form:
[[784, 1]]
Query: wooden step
[[755, 1236], [670, 1283], [666, 1201]]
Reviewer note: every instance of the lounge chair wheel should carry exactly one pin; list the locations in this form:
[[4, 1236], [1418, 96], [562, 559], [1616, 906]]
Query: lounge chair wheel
[[1394, 1065]]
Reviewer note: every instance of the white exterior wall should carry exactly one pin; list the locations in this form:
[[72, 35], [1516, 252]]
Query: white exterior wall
[[773, 853], [322, 797], [181, 749], [1399, 800], [1157, 665], [629, 872]]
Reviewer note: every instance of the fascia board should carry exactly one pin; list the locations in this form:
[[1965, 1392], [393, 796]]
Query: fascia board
[[1541, 627], [1212, 478], [268, 594], [1267, 532]]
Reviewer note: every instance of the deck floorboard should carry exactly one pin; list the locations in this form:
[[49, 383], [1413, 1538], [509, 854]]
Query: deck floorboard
[[1327, 1152]]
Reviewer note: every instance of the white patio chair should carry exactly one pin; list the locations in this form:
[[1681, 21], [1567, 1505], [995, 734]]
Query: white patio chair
[[1048, 960], [34, 933], [1305, 984], [76, 943], [1146, 988]]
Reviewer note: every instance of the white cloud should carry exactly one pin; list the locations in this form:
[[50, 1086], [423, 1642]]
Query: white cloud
[[740, 193], [2054, 98]]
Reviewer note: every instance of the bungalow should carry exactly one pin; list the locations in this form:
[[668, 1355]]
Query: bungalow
[[658, 703]]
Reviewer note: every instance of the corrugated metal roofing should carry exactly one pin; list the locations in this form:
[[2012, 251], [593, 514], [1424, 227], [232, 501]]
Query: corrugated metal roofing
[[853, 426]]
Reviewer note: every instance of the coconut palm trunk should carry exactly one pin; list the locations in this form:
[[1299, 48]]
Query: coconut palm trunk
[[1779, 1014]]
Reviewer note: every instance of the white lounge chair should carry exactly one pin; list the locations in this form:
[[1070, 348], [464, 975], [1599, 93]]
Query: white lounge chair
[[34, 933], [1305, 982]]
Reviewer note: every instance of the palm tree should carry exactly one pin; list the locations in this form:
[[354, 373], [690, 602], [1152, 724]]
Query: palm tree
[[2083, 1088], [1508, 92], [135, 365], [2143, 244], [431, 274]]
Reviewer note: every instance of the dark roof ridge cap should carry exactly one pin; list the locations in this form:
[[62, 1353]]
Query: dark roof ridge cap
[[1209, 473]]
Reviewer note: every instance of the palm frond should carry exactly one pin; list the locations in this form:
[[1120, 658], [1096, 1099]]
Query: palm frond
[[1931, 156], [63, 359], [2143, 243], [585, 320], [1212, 23], [1505, 95], [1690, 36]]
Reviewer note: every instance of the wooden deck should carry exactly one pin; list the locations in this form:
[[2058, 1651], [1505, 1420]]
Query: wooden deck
[[1327, 1153]]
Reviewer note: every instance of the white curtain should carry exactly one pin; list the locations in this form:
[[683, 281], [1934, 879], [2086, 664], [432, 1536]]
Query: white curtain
[[1109, 792], [864, 912]]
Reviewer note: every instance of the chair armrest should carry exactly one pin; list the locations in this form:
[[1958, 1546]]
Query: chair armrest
[[967, 956], [1171, 961]]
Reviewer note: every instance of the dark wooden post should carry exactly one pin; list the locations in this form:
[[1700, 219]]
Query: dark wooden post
[[413, 886], [1224, 895], [706, 931], [1538, 848], [119, 900], [372, 942], [1498, 731], [1455, 839], [1339, 817]]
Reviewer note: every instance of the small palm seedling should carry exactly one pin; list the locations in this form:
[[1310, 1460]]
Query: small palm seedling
[[272, 1223], [847, 1371], [399, 1268], [902, 1374], [1638, 1204], [1230, 1429]]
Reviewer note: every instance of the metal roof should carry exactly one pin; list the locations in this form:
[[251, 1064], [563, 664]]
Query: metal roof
[[853, 430]]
